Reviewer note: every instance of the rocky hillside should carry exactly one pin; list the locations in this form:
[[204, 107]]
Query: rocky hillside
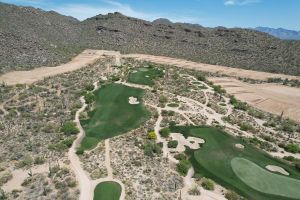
[[41, 38]]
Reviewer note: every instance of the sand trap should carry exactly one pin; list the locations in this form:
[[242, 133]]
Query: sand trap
[[191, 142], [274, 168], [133, 100], [239, 146]]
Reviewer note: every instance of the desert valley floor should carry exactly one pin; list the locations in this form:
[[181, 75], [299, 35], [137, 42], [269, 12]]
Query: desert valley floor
[[112, 126]]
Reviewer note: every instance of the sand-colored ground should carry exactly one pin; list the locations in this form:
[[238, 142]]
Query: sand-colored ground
[[274, 168], [230, 71], [27, 77], [267, 97]]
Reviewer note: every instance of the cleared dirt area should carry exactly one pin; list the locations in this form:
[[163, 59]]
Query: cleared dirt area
[[267, 97], [27, 77], [233, 72]]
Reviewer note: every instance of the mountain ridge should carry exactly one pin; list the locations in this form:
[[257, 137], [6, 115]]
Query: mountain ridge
[[281, 33], [39, 38]]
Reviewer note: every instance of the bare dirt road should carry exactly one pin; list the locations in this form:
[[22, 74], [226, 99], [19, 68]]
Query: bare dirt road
[[27, 77]]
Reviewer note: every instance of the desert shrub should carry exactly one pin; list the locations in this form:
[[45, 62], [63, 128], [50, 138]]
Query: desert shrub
[[165, 132], [292, 148], [218, 89], [246, 127], [194, 191], [89, 87], [180, 156], [4, 178], [89, 97], [289, 158], [201, 77], [172, 144], [68, 142], [115, 78], [39, 160], [163, 99], [288, 126], [69, 128], [25, 162], [207, 184], [151, 148], [231, 195], [80, 152], [183, 167], [152, 135]]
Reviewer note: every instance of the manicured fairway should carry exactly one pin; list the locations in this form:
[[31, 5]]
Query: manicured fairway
[[214, 159], [113, 114], [107, 191], [145, 75], [265, 181]]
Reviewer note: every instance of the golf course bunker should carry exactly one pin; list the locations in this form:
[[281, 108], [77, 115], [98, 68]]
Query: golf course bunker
[[214, 160], [133, 101], [108, 190], [191, 142], [113, 114], [264, 181], [239, 146], [274, 168]]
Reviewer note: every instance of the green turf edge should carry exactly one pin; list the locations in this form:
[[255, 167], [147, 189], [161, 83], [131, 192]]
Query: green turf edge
[[108, 190], [204, 172]]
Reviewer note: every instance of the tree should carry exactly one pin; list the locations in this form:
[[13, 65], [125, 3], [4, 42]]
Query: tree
[[165, 132], [69, 128], [89, 87], [297, 166]]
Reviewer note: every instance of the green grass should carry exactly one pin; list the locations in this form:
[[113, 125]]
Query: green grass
[[145, 75], [267, 182], [113, 114], [107, 191], [213, 160]]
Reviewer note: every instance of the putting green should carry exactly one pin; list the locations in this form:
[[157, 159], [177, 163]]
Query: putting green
[[108, 190], [145, 76], [265, 181], [113, 114], [213, 160]]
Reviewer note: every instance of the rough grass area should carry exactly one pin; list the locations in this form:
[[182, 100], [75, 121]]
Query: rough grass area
[[107, 191], [145, 75], [213, 160], [267, 182], [113, 114]]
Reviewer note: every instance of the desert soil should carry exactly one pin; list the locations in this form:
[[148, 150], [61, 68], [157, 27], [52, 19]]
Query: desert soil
[[267, 97]]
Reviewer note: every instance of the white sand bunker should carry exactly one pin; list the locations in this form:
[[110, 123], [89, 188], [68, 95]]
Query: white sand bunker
[[133, 100], [239, 146], [191, 142], [274, 168]]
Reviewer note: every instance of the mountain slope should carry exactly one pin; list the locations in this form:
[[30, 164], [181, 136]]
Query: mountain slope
[[281, 33], [57, 37]]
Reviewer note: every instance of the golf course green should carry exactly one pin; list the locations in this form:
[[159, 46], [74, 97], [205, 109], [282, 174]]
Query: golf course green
[[113, 114], [145, 75], [241, 170], [267, 182], [108, 190]]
